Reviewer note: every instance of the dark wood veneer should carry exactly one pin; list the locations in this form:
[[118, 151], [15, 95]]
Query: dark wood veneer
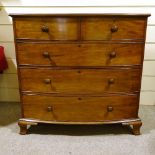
[[80, 109], [80, 68], [91, 28], [80, 81], [129, 15], [74, 54]]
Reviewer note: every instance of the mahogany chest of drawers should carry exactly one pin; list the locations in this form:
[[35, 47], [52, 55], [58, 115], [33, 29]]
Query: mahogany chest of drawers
[[80, 68]]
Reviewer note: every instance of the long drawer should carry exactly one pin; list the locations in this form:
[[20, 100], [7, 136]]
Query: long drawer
[[105, 54], [80, 81], [76, 109], [85, 28]]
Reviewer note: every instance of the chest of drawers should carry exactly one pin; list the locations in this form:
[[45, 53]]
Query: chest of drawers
[[80, 69]]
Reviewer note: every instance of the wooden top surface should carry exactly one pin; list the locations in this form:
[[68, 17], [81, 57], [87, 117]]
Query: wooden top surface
[[81, 14]]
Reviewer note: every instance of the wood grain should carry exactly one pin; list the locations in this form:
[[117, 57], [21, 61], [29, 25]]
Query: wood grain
[[83, 109], [77, 54], [81, 81], [80, 68], [100, 28], [7, 29], [60, 28], [92, 28]]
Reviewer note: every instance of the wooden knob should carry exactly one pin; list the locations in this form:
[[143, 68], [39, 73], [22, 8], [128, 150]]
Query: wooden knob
[[47, 81], [112, 54], [114, 28], [46, 54], [49, 108], [45, 29], [111, 81], [79, 98], [109, 108]]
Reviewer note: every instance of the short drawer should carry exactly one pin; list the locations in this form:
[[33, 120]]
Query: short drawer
[[46, 28], [110, 54], [119, 28], [80, 109], [80, 81]]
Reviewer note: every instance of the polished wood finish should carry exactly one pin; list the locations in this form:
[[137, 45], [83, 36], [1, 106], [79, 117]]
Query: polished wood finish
[[112, 28], [24, 122], [88, 54], [132, 15], [134, 126], [78, 81], [23, 126], [80, 68], [92, 28], [80, 109], [47, 28]]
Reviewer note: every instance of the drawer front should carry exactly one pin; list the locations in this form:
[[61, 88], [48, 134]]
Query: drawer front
[[80, 54], [76, 109], [81, 81], [58, 28], [113, 28]]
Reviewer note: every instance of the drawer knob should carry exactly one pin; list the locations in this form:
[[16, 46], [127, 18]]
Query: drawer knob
[[109, 108], [47, 81], [46, 54], [49, 109], [45, 29], [114, 28], [111, 81], [112, 54]]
